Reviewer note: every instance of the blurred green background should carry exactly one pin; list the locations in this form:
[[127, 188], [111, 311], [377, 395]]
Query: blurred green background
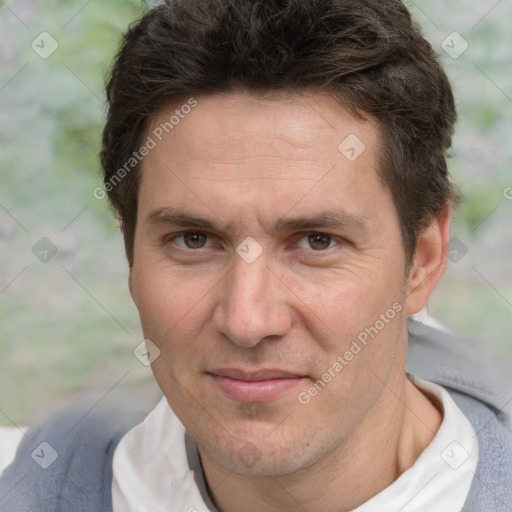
[[68, 325]]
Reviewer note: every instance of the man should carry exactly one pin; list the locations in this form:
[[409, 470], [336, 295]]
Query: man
[[279, 172]]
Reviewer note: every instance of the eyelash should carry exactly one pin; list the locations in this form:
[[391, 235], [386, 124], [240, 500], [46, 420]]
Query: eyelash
[[338, 240]]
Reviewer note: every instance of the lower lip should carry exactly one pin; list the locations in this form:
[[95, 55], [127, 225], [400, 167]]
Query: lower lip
[[254, 391]]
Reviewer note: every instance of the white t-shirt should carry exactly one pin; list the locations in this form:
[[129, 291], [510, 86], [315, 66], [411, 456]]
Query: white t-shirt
[[156, 464], [10, 438]]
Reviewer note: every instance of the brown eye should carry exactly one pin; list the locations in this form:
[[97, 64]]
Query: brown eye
[[194, 240], [319, 241]]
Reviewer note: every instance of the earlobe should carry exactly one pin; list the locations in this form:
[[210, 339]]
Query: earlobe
[[429, 263]]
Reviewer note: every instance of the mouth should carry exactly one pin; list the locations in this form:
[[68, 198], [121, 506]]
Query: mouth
[[254, 386]]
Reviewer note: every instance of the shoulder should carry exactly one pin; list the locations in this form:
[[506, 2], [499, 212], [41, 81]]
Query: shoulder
[[460, 365], [65, 463], [483, 395]]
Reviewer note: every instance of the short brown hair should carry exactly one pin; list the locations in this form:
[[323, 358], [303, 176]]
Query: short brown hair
[[369, 54]]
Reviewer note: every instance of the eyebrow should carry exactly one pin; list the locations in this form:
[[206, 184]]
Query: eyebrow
[[338, 218]]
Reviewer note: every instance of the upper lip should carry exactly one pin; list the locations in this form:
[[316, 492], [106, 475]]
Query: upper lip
[[252, 376]]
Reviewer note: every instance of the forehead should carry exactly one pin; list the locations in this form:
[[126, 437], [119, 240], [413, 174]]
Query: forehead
[[229, 125], [247, 155]]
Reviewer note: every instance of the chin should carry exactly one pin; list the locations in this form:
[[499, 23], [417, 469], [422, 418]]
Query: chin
[[250, 457]]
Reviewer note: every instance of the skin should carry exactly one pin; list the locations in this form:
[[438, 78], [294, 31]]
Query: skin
[[243, 162]]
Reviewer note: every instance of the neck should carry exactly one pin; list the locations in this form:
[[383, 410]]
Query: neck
[[367, 462]]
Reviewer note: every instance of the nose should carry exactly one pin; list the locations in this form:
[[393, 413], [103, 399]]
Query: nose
[[252, 304]]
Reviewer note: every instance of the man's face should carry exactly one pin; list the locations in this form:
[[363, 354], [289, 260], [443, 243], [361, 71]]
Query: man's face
[[285, 302]]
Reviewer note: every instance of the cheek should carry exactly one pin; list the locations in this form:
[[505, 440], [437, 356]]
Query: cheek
[[174, 311], [166, 299], [172, 314], [340, 305], [361, 352]]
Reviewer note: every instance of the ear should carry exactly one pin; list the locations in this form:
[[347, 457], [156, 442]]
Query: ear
[[429, 264]]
